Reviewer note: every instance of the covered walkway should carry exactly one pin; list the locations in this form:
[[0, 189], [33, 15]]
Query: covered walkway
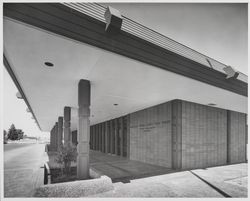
[[121, 169]]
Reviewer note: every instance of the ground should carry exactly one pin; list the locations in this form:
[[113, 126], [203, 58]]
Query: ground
[[221, 181], [23, 173], [22, 168]]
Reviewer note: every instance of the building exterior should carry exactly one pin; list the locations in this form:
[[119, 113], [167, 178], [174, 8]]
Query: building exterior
[[101, 81], [177, 134]]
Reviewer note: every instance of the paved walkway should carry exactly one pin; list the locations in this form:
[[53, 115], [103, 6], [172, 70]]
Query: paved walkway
[[119, 169], [22, 172], [231, 179]]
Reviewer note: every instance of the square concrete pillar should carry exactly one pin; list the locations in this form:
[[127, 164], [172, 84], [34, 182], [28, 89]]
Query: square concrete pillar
[[67, 129], [83, 129], [121, 135], [50, 139], [128, 135], [103, 137], [94, 139], [106, 137], [111, 137], [116, 135], [56, 136], [90, 138], [100, 135], [53, 139], [95, 135], [60, 132]]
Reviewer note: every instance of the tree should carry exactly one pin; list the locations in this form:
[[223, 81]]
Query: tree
[[12, 133], [15, 134], [19, 134]]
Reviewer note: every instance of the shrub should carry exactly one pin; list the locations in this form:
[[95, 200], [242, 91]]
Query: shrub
[[65, 156]]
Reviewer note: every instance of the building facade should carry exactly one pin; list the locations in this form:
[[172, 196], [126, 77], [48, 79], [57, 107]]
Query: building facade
[[177, 134]]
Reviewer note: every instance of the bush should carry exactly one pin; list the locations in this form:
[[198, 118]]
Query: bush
[[5, 140], [65, 156]]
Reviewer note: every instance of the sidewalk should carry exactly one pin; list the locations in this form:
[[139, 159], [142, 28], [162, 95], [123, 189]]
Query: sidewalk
[[231, 179], [22, 170]]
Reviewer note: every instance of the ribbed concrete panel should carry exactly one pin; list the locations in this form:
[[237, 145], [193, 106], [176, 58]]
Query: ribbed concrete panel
[[237, 135], [204, 136], [150, 135], [176, 134]]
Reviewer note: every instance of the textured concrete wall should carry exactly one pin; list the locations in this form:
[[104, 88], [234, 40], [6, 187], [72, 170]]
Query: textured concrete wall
[[177, 134], [150, 135], [237, 137], [204, 136]]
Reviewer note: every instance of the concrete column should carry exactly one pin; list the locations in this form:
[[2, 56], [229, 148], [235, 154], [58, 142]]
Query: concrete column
[[67, 130], [100, 134], [128, 136], [116, 136], [90, 138], [111, 137], [83, 129], [93, 136], [106, 137], [98, 137], [56, 136], [53, 138], [60, 131], [121, 136], [103, 137], [50, 142]]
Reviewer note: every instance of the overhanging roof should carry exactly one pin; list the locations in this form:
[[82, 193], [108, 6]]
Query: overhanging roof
[[135, 72]]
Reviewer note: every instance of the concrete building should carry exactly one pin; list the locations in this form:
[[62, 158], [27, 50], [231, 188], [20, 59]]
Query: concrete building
[[97, 79]]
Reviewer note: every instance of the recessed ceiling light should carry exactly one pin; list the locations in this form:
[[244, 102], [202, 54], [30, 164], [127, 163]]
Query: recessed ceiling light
[[49, 64], [115, 104], [211, 104]]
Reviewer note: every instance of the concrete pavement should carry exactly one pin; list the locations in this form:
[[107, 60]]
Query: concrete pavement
[[231, 179], [22, 169]]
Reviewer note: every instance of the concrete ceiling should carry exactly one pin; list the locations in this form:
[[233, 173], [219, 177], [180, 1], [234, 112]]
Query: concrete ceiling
[[115, 79]]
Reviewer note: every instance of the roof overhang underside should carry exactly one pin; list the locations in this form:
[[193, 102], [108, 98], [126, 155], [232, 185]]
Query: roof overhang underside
[[116, 78]]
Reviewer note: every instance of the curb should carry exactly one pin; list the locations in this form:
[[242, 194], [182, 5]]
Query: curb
[[47, 174], [80, 188]]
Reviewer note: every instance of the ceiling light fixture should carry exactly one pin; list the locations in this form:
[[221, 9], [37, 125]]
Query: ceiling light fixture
[[49, 64], [115, 104]]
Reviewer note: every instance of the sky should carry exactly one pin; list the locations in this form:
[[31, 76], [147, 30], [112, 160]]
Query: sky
[[216, 30]]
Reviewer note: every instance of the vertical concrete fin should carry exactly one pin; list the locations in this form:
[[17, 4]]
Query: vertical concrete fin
[[176, 134]]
